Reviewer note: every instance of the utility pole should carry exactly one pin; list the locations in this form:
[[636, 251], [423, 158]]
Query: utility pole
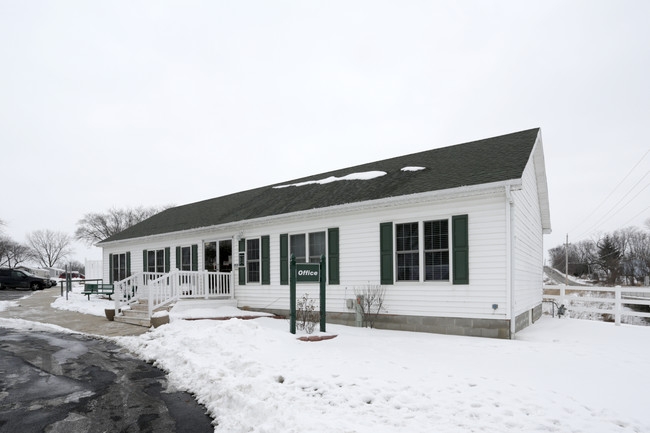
[[566, 261]]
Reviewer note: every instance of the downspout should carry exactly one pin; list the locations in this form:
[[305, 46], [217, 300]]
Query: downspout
[[510, 292]]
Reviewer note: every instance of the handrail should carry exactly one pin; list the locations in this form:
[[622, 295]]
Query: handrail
[[126, 289], [187, 284]]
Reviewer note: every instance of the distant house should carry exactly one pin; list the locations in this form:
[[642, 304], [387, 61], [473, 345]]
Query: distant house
[[454, 235]]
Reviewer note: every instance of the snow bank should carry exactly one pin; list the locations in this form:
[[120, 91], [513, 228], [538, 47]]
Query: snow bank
[[4, 305], [28, 325], [214, 313], [561, 375], [80, 303]]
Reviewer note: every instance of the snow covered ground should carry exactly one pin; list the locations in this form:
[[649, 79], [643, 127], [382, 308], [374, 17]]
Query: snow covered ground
[[8, 304], [80, 303], [559, 375]]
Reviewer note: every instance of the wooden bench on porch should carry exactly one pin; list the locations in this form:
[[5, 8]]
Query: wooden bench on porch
[[98, 289]]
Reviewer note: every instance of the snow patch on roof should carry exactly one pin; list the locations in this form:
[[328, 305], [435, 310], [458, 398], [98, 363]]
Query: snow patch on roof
[[366, 175], [412, 168]]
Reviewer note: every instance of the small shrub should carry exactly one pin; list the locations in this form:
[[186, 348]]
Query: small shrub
[[306, 315], [370, 300]]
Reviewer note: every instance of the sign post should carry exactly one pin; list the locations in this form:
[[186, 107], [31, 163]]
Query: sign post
[[306, 273], [292, 294], [322, 293]]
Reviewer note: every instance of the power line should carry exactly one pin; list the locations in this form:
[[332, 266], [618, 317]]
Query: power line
[[611, 192], [634, 217], [607, 216]]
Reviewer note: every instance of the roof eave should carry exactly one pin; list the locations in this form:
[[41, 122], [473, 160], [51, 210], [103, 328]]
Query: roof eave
[[236, 226], [542, 184]]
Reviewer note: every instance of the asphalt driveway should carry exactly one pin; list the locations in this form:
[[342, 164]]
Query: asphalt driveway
[[59, 382]]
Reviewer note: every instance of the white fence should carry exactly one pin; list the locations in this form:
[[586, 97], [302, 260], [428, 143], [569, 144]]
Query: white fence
[[94, 270], [600, 300]]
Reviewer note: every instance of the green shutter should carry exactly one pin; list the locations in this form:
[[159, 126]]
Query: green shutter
[[195, 257], [333, 255], [242, 262], [128, 264], [178, 258], [386, 252], [284, 259], [266, 260], [144, 260], [460, 242], [110, 268], [167, 259]]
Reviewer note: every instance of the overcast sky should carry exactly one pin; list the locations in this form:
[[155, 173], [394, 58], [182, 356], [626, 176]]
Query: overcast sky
[[127, 103]]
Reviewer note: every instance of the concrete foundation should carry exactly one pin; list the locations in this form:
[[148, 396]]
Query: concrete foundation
[[528, 317], [492, 328]]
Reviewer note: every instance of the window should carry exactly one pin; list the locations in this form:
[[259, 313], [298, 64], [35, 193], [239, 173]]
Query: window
[[156, 261], [298, 248], [436, 250], [407, 249], [302, 250], [253, 260], [316, 246], [186, 258], [435, 247], [119, 267]]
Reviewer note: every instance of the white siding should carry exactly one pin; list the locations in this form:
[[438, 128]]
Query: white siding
[[360, 259], [528, 248], [359, 262]]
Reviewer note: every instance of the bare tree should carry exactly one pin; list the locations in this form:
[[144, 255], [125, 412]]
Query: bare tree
[[636, 262], [12, 253], [95, 227], [76, 266], [370, 301], [48, 247]]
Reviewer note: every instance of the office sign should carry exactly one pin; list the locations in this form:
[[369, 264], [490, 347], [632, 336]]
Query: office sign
[[307, 272]]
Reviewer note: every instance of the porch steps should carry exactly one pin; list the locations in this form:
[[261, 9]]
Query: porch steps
[[137, 315]]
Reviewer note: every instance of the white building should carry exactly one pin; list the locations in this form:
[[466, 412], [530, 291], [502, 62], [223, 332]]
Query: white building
[[454, 235]]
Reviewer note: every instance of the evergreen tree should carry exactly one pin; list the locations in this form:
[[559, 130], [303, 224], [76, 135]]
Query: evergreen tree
[[609, 259]]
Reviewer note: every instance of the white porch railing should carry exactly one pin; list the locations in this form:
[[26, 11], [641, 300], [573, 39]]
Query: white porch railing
[[188, 284], [133, 288], [601, 300], [160, 289]]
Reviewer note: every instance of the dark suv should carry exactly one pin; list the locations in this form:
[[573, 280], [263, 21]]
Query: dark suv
[[21, 279]]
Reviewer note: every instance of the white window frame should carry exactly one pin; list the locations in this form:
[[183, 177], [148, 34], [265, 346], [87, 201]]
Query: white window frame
[[117, 269], [308, 246], [436, 250], [250, 261], [421, 251], [189, 247], [156, 264]]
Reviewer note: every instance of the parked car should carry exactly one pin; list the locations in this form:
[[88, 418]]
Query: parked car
[[73, 275], [42, 273], [21, 279]]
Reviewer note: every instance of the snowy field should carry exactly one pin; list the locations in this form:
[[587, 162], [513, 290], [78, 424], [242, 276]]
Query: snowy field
[[560, 375]]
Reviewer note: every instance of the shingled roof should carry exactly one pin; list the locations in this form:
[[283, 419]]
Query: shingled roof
[[478, 162]]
